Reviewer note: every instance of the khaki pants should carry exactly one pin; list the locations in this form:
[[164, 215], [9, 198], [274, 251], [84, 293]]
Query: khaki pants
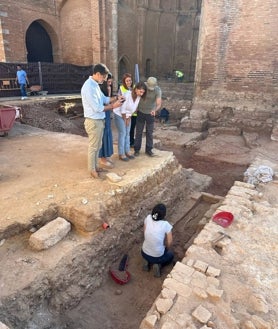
[[94, 130]]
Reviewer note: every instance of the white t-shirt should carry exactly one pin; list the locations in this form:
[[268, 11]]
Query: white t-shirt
[[129, 106], [155, 232]]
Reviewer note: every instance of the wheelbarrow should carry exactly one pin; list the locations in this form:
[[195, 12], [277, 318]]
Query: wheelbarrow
[[8, 115], [34, 90]]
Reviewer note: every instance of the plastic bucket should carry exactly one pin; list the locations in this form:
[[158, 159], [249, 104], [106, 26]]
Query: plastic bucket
[[223, 218]]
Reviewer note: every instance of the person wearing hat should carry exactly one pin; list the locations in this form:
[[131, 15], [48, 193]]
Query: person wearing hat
[[146, 112], [157, 240]]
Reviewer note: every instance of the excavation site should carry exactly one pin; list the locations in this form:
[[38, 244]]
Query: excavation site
[[63, 234]]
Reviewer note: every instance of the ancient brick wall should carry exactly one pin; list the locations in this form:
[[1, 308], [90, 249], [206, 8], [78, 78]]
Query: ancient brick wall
[[16, 16], [166, 37], [238, 52]]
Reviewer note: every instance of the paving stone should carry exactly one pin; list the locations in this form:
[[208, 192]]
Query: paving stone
[[200, 266], [214, 293], [199, 280], [50, 234], [213, 281], [245, 185], [201, 314], [186, 270], [167, 293], [212, 271], [149, 322], [163, 305], [180, 277], [200, 292], [180, 288], [190, 262], [244, 192], [200, 283]]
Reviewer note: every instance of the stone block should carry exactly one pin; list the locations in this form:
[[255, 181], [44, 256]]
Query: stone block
[[149, 322], [184, 269], [213, 281], [50, 234], [214, 293], [212, 271], [201, 314], [190, 262], [167, 293], [163, 305], [200, 266], [180, 288], [199, 292], [113, 177]]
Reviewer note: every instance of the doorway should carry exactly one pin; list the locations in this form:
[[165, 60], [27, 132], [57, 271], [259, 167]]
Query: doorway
[[38, 44]]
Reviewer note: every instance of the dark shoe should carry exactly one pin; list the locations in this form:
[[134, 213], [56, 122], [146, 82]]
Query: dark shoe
[[123, 158], [150, 153], [136, 153], [99, 169], [156, 270], [130, 156], [146, 266]]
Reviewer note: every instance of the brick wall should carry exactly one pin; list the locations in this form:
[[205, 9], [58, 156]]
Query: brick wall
[[238, 52]]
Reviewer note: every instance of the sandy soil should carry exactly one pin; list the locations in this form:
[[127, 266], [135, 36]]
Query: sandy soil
[[115, 306]]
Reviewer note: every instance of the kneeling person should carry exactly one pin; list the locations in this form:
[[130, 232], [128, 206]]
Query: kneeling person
[[157, 240]]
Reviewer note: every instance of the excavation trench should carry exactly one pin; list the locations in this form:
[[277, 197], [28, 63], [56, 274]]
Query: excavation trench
[[91, 299], [115, 306]]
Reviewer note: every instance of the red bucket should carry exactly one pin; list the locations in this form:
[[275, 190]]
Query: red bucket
[[223, 218]]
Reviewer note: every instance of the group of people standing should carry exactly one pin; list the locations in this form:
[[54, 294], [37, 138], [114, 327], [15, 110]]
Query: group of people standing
[[135, 105]]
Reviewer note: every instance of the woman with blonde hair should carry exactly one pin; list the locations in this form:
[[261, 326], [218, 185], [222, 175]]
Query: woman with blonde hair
[[122, 117]]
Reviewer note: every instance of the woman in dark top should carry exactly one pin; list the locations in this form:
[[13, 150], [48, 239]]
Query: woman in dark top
[[106, 150]]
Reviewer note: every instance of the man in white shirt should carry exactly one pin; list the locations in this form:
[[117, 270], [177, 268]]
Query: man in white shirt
[[95, 104]]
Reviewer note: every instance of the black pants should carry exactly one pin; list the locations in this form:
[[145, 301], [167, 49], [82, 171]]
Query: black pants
[[143, 119], [132, 130]]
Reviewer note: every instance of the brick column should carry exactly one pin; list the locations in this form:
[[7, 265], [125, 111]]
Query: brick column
[[113, 40]]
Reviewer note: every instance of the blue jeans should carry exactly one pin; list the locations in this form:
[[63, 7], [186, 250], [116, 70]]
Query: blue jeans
[[123, 135], [165, 259], [23, 89]]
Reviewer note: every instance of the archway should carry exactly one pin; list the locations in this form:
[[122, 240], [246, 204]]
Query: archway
[[38, 44], [124, 67]]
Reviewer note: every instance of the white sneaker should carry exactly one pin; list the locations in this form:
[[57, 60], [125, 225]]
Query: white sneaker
[[22, 98], [25, 97]]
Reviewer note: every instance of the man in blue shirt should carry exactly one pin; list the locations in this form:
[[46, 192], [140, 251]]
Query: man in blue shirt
[[22, 80], [95, 104]]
